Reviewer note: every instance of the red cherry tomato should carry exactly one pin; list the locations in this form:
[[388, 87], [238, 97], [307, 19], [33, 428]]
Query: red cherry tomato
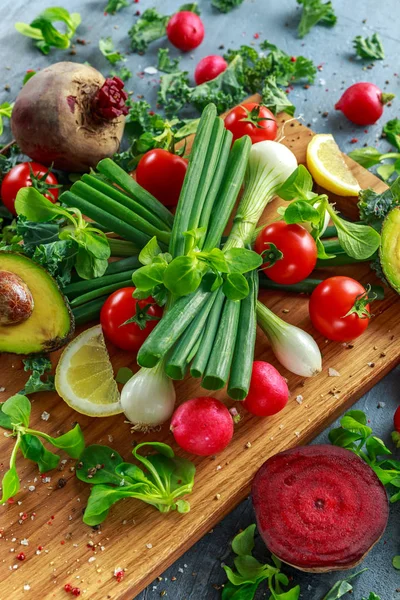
[[396, 420], [362, 103], [244, 120], [121, 306], [209, 68], [20, 176], [331, 301], [297, 246], [162, 173], [268, 392], [185, 30]]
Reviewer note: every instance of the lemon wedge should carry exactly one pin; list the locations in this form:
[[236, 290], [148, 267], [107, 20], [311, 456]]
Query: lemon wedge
[[85, 378], [328, 168]]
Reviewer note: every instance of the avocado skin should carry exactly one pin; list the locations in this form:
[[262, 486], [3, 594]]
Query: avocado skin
[[389, 252], [51, 324]]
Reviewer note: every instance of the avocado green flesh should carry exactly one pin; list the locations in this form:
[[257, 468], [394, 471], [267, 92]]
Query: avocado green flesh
[[51, 323], [390, 248]]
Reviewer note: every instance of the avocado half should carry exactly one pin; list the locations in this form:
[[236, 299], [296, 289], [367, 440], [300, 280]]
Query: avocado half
[[50, 324], [390, 248]]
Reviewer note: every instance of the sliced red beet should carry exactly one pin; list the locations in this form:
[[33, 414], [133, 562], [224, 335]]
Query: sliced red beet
[[319, 508]]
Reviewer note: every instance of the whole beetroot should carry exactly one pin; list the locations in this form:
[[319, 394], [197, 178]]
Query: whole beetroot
[[70, 116]]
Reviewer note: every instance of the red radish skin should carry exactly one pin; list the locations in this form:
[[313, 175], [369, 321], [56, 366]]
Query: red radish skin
[[202, 426], [319, 508], [268, 393], [362, 103], [396, 420], [55, 119], [185, 30], [209, 68]]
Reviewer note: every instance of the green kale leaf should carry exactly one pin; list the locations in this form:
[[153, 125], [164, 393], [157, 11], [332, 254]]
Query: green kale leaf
[[114, 6], [46, 35], [226, 6], [369, 47], [39, 365], [315, 12], [374, 207]]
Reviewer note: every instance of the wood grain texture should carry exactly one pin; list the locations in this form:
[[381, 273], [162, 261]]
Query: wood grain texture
[[135, 536]]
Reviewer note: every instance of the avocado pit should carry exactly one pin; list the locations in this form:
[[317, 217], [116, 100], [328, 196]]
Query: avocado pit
[[16, 300]]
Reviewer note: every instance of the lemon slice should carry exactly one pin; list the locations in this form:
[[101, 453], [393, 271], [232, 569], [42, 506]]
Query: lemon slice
[[85, 378], [328, 168]]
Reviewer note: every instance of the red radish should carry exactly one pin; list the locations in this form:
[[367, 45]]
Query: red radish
[[362, 103], [185, 30], [202, 426], [268, 393], [319, 508], [162, 173], [396, 419], [209, 68]]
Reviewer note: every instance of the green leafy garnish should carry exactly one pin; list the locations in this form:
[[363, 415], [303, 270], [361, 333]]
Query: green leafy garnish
[[357, 240], [147, 130], [39, 365], [392, 132], [275, 98], [165, 63], [123, 73], [106, 47], [28, 75], [149, 27], [342, 587], [93, 250], [250, 573], [372, 596], [5, 113], [161, 480], [15, 415], [396, 562], [183, 275], [226, 6], [369, 47], [374, 207], [315, 12], [114, 6], [356, 435], [46, 35]]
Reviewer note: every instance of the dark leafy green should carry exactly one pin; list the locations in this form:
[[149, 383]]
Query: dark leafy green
[[147, 130], [250, 573], [91, 257], [374, 207], [40, 366], [15, 415], [356, 435], [114, 6], [45, 33], [315, 12], [275, 98], [392, 132], [369, 47], [226, 6], [106, 47], [161, 480], [342, 587]]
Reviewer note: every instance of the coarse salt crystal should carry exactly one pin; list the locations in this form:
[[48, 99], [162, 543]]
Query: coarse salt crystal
[[31, 488], [27, 587], [24, 542], [91, 559], [149, 546], [299, 399], [45, 415], [333, 372], [150, 70]]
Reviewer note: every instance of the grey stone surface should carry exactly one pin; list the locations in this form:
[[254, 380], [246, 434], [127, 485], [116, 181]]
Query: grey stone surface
[[275, 20]]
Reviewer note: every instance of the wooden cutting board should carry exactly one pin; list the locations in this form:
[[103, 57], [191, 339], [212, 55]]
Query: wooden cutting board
[[135, 536]]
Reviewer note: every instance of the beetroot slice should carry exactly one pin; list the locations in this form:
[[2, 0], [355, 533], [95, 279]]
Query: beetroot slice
[[319, 508]]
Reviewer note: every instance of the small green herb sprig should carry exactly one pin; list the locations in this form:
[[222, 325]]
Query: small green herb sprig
[[315, 12], [226, 6], [5, 113], [162, 481], [114, 6], [46, 34], [93, 250], [15, 416], [343, 587], [355, 435], [357, 240], [39, 367], [250, 573], [369, 47], [183, 275], [106, 47], [370, 157]]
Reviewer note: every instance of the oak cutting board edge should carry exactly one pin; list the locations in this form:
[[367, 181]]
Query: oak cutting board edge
[[137, 537]]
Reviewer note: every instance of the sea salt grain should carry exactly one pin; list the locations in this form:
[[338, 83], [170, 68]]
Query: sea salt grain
[[45, 416], [299, 399], [333, 372], [150, 70]]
